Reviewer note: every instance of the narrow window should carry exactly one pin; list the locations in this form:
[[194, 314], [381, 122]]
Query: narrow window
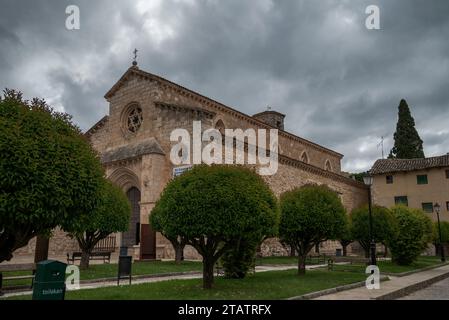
[[427, 207], [447, 205], [389, 179], [447, 174], [401, 200], [421, 179]]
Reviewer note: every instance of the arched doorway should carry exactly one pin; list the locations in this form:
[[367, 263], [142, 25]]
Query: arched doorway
[[132, 236]]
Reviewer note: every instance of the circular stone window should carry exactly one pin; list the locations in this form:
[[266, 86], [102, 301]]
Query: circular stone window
[[133, 118]]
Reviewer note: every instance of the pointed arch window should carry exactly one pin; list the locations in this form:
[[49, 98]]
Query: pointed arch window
[[304, 157], [328, 166]]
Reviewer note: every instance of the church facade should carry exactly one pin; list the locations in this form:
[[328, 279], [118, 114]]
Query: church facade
[[134, 143]]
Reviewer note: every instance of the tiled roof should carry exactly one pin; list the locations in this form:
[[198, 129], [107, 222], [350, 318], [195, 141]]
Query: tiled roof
[[400, 165]]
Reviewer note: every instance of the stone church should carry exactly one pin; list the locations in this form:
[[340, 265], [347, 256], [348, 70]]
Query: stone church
[[133, 140]]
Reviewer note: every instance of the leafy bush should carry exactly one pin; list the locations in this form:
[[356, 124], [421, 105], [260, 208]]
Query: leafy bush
[[240, 258], [411, 236]]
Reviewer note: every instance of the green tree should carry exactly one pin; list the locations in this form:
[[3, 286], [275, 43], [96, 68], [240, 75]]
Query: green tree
[[412, 234], [111, 215], [444, 235], [383, 226], [358, 176], [211, 206], [178, 243], [407, 142], [346, 237], [49, 174], [309, 215]]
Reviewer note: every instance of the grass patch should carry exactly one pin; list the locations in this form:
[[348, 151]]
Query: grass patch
[[390, 267], [99, 271], [262, 285]]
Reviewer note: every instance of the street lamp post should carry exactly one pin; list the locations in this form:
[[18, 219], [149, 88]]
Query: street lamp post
[[368, 180], [437, 210]]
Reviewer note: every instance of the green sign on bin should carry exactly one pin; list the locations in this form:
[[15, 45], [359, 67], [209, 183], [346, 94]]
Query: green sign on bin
[[49, 281]]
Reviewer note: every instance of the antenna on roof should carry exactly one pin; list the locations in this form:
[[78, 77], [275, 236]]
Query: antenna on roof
[[381, 144]]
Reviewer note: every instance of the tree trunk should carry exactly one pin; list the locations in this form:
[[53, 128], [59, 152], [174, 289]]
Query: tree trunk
[[292, 251], [301, 264], [385, 251], [41, 249], [208, 273], [179, 253], [345, 251], [85, 257]]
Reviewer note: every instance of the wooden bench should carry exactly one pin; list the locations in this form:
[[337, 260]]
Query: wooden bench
[[76, 256], [102, 251], [17, 267], [351, 260]]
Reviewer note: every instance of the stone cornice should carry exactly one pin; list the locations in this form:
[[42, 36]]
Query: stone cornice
[[324, 173], [199, 112]]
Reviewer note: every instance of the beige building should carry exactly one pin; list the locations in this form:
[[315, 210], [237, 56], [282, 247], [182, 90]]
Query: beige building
[[417, 183], [133, 140]]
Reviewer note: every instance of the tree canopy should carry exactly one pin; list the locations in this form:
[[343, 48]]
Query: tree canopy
[[210, 206], [49, 174], [110, 215], [309, 215], [412, 234], [383, 226], [407, 142]]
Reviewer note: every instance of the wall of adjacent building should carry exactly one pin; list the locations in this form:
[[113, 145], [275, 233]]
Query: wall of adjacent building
[[405, 184]]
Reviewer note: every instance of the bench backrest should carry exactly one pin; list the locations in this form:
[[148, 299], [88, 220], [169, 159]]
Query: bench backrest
[[17, 267]]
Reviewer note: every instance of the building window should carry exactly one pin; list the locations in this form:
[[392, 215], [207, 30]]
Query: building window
[[447, 205], [447, 174], [427, 207], [421, 179], [327, 166], [304, 157], [389, 179], [401, 200], [133, 118]]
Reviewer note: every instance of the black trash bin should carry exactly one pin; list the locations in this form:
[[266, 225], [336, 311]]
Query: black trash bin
[[49, 281]]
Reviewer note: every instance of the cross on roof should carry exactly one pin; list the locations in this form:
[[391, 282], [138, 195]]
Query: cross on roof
[[135, 57]]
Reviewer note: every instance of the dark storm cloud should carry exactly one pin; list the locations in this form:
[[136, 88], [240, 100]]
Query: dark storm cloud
[[339, 83]]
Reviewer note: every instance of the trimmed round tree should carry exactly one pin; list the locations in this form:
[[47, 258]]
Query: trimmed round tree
[[412, 234], [210, 206], [49, 174], [309, 215], [111, 215], [383, 226]]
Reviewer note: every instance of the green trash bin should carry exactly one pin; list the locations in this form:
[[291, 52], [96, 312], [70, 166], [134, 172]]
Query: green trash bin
[[49, 281]]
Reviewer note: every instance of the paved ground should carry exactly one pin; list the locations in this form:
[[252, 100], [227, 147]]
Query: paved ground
[[387, 287], [437, 291]]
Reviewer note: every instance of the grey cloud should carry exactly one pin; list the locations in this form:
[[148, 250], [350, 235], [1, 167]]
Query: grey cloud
[[339, 83]]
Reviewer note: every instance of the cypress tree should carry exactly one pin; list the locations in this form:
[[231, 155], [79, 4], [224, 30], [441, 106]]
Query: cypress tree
[[407, 143]]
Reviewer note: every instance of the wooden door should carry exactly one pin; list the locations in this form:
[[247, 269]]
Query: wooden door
[[147, 242]]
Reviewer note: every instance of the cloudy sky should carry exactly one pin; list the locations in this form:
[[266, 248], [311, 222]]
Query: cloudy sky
[[338, 82]]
